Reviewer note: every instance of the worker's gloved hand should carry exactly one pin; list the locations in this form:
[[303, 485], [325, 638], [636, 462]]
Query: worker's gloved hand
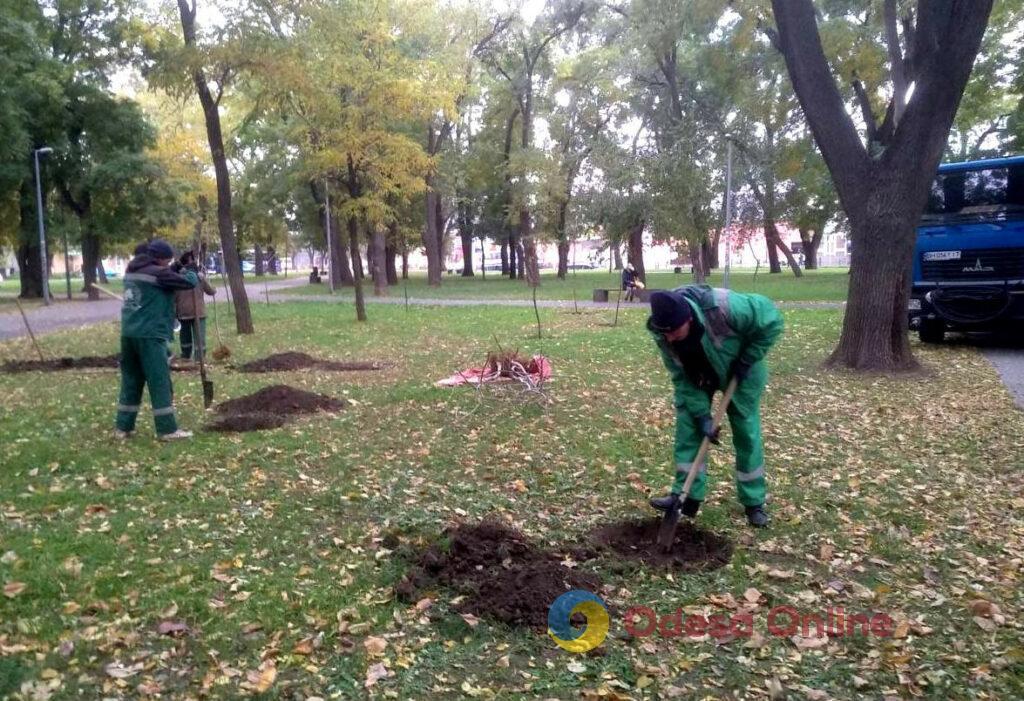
[[707, 428], [176, 266], [740, 369]]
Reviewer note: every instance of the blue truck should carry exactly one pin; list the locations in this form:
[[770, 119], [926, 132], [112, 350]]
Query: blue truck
[[969, 257]]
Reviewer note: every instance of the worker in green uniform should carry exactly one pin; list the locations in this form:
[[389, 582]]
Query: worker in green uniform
[[707, 336], [147, 325]]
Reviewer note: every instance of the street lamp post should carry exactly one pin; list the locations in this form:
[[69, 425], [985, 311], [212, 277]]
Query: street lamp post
[[43, 269]]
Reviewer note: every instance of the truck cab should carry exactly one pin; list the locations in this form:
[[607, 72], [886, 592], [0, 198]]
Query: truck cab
[[968, 273]]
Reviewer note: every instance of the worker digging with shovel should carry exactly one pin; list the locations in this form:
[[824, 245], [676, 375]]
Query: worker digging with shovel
[[709, 339], [147, 325]]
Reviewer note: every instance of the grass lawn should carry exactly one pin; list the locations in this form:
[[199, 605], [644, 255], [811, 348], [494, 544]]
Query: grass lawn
[[282, 548], [816, 285]]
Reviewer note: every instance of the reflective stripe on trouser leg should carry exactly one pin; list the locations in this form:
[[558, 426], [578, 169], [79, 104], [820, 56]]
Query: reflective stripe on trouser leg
[[746, 439], [158, 377], [687, 443], [132, 381]]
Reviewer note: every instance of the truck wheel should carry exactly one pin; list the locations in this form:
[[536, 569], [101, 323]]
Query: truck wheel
[[932, 331]]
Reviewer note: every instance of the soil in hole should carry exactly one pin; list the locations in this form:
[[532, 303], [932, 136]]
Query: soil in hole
[[294, 360], [501, 575], [56, 364], [270, 407], [695, 549]]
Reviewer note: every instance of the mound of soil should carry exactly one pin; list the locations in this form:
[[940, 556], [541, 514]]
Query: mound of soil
[[501, 575], [240, 423], [695, 549], [57, 364], [270, 407], [280, 399], [293, 360]]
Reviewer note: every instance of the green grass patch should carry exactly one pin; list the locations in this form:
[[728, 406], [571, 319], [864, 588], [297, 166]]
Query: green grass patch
[[891, 495]]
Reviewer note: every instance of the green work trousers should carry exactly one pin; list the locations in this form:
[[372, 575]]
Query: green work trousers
[[190, 341], [745, 422], [144, 361]]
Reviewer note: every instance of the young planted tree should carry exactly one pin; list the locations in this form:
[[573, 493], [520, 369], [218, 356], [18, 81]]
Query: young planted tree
[[883, 183]]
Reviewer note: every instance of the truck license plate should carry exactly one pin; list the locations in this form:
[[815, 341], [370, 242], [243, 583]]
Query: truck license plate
[[942, 255]]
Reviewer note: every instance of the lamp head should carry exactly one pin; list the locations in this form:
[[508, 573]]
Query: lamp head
[[44, 150]]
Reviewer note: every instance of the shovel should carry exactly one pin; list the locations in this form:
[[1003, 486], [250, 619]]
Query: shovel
[[669, 522], [200, 348]]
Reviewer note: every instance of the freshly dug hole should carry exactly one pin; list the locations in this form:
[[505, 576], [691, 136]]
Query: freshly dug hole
[[694, 549], [293, 360], [57, 364]]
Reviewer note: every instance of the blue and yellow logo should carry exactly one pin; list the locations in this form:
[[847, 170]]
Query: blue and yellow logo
[[560, 626]]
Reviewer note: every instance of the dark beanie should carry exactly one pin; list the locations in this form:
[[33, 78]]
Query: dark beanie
[[669, 311], [160, 249]]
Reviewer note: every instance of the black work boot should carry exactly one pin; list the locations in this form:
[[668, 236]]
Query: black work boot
[[757, 516], [689, 507]]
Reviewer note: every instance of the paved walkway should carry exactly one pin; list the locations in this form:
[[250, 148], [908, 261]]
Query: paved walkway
[[63, 314], [1009, 363]]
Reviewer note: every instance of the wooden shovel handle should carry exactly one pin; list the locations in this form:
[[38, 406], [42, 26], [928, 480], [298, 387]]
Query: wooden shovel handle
[[705, 444]]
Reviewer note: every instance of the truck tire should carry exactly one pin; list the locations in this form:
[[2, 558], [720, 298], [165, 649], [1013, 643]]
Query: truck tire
[[932, 331]]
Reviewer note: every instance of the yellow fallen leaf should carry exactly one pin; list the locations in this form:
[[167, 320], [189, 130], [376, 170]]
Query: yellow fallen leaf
[[12, 589]]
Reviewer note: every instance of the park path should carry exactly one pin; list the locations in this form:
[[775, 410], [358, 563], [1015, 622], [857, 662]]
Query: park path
[[1009, 363], [81, 312]]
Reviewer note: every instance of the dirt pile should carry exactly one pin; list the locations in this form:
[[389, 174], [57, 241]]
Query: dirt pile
[[499, 572], [694, 550], [294, 360], [57, 364], [270, 407]]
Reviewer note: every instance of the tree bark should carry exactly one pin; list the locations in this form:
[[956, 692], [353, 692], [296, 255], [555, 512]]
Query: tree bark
[[376, 255], [811, 241], [617, 256], [405, 264], [211, 114], [340, 269], [353, 242], [390, 252], [431, 236], [504, 256], [635, 250], [258, 260], [90, 261], [466, 234], [30, 271], [883, 196], [563, 259], [521, 256]]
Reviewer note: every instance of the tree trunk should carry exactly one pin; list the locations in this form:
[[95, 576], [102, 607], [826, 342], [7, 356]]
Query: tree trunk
[[90, 261], [529, 247], [405, 264], [376, 255], [431, 236], [258, 260], [100, 272], [353, 243], [811, 240], [30, 270], [776, 242], [228, 244], [697, 263], [635, 250], [617, 256], [521, 256], [466, 234], [513, 255], [710, 250], [773, 253], [874, 335], [390, 271], [563, 259], [504, 256]]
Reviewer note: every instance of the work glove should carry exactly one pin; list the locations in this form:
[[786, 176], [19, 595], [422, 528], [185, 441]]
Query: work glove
[[740, 369], [707, 428], [176, 266]]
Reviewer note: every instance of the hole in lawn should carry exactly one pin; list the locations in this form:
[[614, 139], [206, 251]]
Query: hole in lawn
[[57, 364], [695, 549], [270, 407], [293, 360], [495, 573]]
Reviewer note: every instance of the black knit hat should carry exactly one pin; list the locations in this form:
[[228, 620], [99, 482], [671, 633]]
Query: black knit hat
[[669, 311], [160, 249]]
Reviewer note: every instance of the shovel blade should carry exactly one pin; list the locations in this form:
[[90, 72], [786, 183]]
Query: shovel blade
[[667, 532], [207, 394]]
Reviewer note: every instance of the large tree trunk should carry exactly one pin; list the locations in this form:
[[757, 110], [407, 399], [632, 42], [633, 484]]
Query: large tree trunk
[[340, 267], [775, 242], [405, 264], [258, 260], [504, 256], [353, 243], [211, 114], [773, 253], [710, 250], [563, 259], [883, 196], [697, 263], [521, 256], [635, 250], [617, 256], [90, 261], [376, 255], [529, 249], [30, 270]]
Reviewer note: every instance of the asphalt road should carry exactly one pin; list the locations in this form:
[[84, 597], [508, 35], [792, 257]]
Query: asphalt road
[[1009, 363]]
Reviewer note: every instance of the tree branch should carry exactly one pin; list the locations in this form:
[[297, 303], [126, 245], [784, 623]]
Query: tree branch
[[864, 102], [897, 67]]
